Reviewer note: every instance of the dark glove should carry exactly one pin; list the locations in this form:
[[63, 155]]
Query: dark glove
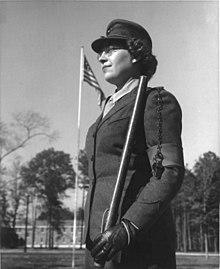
[[107, 244]]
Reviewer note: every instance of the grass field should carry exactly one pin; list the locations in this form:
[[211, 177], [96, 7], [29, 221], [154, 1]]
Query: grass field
[[62, 259]]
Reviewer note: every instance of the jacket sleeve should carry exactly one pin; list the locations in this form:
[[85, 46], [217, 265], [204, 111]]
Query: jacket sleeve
[[158, 193]]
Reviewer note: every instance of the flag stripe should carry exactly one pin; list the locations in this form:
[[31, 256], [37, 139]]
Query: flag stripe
[[90, 78]]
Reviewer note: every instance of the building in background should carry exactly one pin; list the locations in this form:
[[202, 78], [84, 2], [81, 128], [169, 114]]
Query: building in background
[[40, 238]]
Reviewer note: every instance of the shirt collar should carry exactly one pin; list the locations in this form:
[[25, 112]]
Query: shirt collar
[[128, 87]]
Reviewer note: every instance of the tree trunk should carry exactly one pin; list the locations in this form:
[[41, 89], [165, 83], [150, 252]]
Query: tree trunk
[[180, 233], [176, 217], [14, 219], [26, 224], [206, 244], [52, 237], [184, 230], [17, 202], [34, 212], [50, 219], [201, 238], [15, 212], [33, 233], [210, 240], [82, 219], [4, 206], [189, 232], [51, 227], [215, 244], [47, 235]]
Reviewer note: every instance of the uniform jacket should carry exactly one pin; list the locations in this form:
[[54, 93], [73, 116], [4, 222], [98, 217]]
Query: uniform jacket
[[145, 199]]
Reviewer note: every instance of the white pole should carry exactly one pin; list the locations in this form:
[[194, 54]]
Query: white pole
[[78, 148]]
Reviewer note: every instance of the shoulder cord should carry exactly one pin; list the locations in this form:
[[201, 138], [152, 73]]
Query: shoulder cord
[[157, 167]]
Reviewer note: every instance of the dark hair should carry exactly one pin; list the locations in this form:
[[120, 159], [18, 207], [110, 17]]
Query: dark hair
[[140, 52]]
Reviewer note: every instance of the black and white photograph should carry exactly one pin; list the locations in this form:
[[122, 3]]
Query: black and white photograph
[[109, 134]]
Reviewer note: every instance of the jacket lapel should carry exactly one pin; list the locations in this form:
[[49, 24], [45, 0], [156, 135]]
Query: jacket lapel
[[124, 101], [96, 124]]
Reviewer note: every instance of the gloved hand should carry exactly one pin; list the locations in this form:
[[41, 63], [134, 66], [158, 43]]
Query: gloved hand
[[108, 243]]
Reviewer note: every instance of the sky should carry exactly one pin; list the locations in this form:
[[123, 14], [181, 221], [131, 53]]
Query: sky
[[40, 44]]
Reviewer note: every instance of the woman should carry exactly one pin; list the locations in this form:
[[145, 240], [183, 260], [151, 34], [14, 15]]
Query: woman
[[144, 236]]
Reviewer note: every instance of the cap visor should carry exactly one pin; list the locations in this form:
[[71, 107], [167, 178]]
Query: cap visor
[[98, 44]]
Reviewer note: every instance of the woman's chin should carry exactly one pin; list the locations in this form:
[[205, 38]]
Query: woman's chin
[[110, 79]]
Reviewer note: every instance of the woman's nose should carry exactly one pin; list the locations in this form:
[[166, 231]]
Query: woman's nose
[[102, 57]]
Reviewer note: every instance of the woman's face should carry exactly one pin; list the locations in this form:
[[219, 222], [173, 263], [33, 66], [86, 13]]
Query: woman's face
[[117, 65]]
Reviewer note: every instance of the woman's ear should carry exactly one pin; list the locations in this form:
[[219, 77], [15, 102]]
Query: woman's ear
[[135, 60]]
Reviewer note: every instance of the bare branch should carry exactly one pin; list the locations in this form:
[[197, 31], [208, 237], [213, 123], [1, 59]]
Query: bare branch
[[25, 127]]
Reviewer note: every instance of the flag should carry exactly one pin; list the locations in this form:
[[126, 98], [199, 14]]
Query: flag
[[90, 78]]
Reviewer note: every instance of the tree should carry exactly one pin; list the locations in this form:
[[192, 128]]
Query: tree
[[196, 206], [65, 214], [83, 163], [207, 171], [9, 239], [80, 214], [49, 174], [84, 183], [4, 217], [24, 127], [182, 209], [16, 191]]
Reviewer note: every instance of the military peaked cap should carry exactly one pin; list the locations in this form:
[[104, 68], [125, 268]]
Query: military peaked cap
[[122, 30]]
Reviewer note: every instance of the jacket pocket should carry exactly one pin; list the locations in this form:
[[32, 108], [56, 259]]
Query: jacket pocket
[[116, 119]]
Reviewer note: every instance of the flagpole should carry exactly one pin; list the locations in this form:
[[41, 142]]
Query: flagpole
[[77, 162]]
